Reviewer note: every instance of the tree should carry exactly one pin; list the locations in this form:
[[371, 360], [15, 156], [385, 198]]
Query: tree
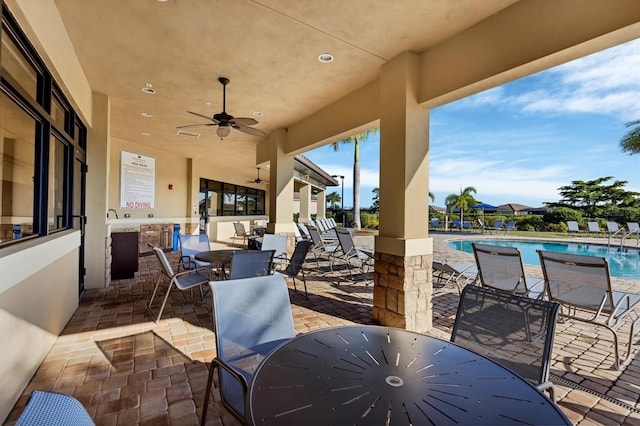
[[355, 140], [630, 142], [592, 197], [432, 197], [333, 198], [375, 200], [461, 201]]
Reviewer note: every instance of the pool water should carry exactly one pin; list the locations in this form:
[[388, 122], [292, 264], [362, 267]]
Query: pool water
[[623, 264]]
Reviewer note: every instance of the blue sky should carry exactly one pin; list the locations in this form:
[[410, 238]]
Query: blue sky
[[519, 142]]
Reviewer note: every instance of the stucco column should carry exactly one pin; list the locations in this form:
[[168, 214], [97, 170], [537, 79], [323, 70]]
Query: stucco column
[[305, 204], [280, 185], [321, 204], [402, 277], [97, 243]]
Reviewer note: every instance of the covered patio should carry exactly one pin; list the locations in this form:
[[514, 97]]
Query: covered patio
[[126, 369], [95, 97]]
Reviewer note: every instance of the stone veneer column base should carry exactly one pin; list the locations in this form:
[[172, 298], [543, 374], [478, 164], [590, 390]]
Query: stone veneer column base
[[402, 291]]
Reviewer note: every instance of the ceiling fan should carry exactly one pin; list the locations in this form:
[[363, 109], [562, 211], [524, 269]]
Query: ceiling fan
[[257, 180], [226, 122]]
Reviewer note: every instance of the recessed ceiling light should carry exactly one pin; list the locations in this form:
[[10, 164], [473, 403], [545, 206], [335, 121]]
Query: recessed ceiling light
[[148, 89], [325, 58], [145, 133], [147, 114], [258, 114], [207, 103]]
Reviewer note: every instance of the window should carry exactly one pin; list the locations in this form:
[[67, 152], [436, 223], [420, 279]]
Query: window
[[40, 187], [226, 199], [57, 184], [17, 170]]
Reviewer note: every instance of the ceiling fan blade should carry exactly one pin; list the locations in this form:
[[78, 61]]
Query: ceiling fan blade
[[249, 130], [245, 121], [195, 125], [200, 115]]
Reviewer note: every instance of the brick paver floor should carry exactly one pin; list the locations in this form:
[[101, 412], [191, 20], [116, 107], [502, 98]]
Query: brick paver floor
[[126, 369]]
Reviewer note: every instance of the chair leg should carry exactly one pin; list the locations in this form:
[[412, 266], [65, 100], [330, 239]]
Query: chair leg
[[304, 281], [207, 395], [155, 290], [164, 302]]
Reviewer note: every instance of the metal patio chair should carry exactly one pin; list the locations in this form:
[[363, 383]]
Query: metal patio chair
[[277, 243], [241, 232], [190, 245], [500, 268], [350, 252], [514, 331], [251, 263], [582, 285], [295, 264], [52, 408], [320, 248], [251, 317], [185, 280], [445, 274]]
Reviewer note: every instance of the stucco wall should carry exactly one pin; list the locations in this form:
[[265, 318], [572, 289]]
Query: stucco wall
[[38, 296]]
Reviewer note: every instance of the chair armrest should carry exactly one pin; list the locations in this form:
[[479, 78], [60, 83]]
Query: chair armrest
[[204, 271], [229, 369]]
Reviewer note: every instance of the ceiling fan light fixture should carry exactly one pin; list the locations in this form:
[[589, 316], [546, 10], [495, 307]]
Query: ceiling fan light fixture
[[223, 131]]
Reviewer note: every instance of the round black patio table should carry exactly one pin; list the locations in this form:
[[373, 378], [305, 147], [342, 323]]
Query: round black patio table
[[380, 375], [218, 258]]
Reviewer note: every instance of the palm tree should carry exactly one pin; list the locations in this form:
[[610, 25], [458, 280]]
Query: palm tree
[[630, 143], [333, 198], [432, 197], [356, 139], [462, 201]]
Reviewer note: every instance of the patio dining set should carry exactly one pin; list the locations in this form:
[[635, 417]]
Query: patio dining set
[[504, 330]]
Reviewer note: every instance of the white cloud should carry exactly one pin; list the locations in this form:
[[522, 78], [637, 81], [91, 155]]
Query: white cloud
[[602, 83]]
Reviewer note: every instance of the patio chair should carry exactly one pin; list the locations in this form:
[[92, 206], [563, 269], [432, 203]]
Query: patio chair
[[320, 248], [304, 231], [251, 317], [327, 234], [52, 408], [613, 228], [572, 226], [351, 252], [184, 280], [497, 226], [514, 331], [251, 263], [297, 233], [582, 285], [190, 245], [460, 275], [500, 268], [435, 223], [241, 232], [277, 243], [593, 228], [632, 229], [295, 265], [510, 226]]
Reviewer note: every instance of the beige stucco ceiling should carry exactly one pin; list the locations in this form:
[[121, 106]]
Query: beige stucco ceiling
[[269, 49]]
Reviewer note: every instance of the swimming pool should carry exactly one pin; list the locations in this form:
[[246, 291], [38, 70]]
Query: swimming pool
[[625, 264]]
